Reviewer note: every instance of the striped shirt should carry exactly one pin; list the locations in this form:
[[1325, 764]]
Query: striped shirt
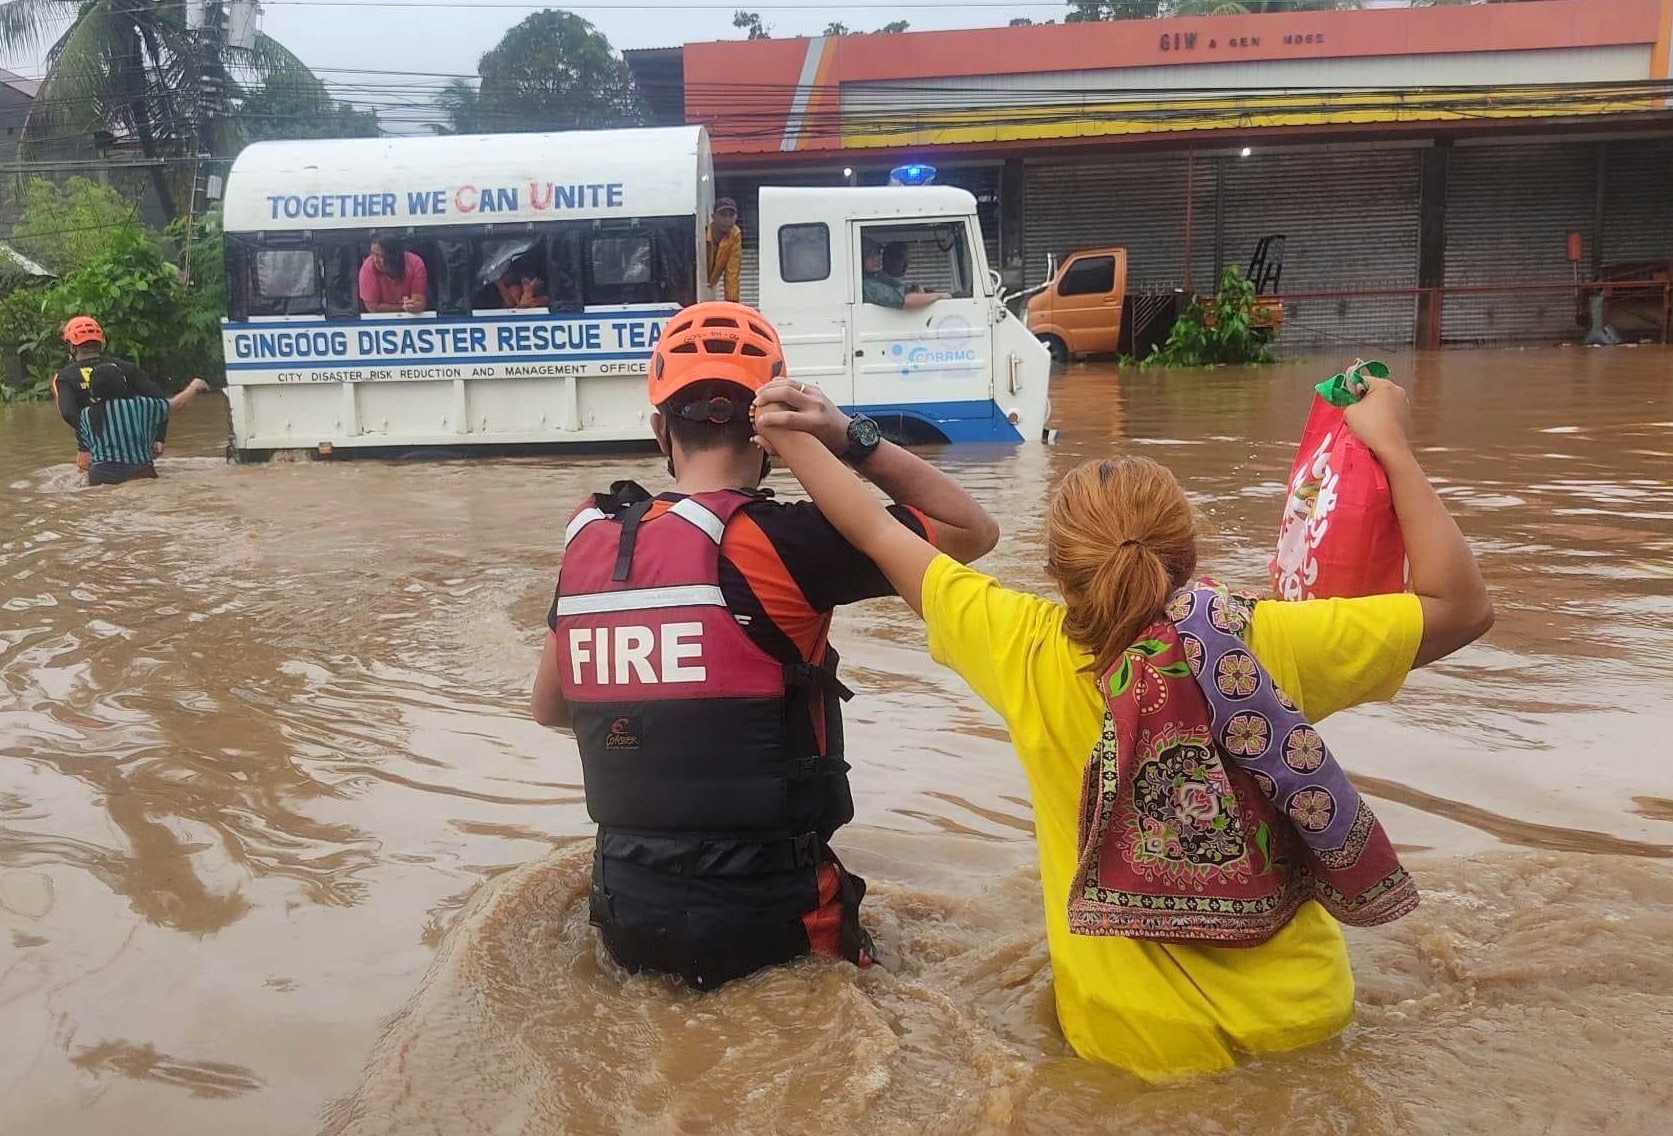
[[131, 426]]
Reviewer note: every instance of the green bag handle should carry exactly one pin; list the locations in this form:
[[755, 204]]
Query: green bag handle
[[1350, 386]]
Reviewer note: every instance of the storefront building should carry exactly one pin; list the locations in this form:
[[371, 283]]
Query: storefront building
[[1439, 175]]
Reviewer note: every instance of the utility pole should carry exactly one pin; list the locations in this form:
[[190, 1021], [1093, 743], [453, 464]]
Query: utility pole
[[211, 96], [218, 25]]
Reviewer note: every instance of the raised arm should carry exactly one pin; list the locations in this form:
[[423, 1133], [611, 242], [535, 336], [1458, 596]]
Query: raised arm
[[193, 389], [1456, 608], [854, 509], [962, 528]]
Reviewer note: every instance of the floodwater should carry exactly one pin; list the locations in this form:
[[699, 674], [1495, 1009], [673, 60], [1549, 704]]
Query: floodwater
[[280, 851]]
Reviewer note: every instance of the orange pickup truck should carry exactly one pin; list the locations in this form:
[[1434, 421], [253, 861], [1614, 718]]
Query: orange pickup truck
[[1079, 310], [1078, 313]]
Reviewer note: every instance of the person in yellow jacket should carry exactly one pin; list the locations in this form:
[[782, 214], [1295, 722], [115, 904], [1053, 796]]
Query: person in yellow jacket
[[1121, 537], [726, 249]]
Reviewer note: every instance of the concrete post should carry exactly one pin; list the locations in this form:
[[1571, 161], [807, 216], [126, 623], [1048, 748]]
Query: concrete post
[[1011, 224], [1431, 240]]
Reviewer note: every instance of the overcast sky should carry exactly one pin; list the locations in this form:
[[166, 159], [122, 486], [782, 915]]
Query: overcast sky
[[431, 39], [447, 37]]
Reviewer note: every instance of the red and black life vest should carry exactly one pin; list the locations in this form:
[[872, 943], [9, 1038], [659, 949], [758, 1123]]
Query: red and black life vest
[[700, 750]]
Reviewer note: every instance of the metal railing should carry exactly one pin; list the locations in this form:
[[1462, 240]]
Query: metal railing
[[1438, 307]]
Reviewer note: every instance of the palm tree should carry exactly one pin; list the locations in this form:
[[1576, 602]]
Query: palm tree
[[134, 71], [461, 107]]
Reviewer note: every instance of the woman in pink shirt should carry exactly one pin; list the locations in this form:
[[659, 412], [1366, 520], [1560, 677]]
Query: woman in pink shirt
[[391, 278]]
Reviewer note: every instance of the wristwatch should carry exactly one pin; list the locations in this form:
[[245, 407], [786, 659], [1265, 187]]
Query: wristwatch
[[863, 439]]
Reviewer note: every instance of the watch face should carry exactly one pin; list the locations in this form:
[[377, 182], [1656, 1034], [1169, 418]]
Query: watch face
[[865, 432]]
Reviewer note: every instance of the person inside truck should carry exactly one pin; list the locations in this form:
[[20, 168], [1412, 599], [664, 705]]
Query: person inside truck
[[519, 287], [392, 278], [726, 250], [884, 283]]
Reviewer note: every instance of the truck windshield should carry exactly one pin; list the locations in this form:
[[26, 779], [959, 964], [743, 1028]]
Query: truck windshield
[[930, 255]]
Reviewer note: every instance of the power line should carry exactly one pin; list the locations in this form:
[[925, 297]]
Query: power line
[[653, 6], [926, 108]]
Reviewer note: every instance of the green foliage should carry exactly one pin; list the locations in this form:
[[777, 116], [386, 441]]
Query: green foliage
[[555, 71], [35, 390], [292, 103], [136, 71], [69, 226], [1085, 11], [202, 297], [750, 22], [1229, 8], [1088, 11], [168, 325], [1221, 331], [836, 28], [461, 106]]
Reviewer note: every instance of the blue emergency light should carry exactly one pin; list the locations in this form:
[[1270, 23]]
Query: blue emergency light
[[914, 174]]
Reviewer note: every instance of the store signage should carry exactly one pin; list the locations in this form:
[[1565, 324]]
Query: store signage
[[1192, 41]]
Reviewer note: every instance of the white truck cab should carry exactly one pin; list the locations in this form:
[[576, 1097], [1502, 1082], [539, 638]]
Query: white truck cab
[[551, 263], [958, 367]]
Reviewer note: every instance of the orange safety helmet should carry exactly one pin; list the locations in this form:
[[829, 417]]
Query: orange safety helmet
[[715, 340], [83, 329]]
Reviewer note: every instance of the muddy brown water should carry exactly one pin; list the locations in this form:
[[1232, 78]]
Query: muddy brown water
[[281, 852]]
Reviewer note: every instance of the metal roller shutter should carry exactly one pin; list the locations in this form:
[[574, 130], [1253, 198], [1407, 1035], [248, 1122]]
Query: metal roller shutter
[[1638, 201], [1137, 203], [1350, 217], [1509, 210], [983, 184]]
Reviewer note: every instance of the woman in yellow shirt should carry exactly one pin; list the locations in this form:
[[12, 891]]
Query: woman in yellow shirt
[[1120, 540]]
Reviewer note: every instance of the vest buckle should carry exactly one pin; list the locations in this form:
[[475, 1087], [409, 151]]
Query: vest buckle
[[805, 849], [805, 676]]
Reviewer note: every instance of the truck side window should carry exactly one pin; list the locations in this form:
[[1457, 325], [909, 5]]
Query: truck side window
[[1088, 276], [511, 273], [285, 283], [804, 253], [620, 269], [619, 261]]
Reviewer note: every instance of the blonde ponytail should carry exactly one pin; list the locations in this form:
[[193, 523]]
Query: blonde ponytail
[[1120, 538]]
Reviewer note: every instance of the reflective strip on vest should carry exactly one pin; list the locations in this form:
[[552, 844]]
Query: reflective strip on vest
[[642, 599], [582, 519], [693, 512]]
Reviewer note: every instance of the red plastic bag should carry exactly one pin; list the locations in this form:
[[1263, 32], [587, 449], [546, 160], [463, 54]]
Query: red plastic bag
[[1339, 536]]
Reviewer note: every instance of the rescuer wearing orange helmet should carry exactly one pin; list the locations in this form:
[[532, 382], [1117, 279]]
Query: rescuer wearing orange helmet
[[689, 653], [72, 385]]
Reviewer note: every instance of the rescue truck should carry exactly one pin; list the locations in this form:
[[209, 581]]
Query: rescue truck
[[606, 232]]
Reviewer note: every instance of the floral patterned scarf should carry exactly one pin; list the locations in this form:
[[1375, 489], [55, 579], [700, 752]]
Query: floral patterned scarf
[[1211, 808]]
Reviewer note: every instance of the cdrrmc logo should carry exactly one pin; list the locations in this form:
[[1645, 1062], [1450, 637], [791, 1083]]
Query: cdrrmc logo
[[952, 354]]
